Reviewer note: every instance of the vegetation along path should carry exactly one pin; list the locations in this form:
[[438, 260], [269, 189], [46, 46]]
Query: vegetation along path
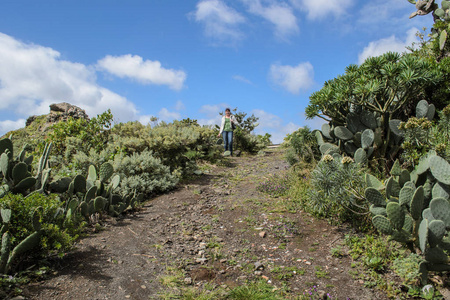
[[212, 237]]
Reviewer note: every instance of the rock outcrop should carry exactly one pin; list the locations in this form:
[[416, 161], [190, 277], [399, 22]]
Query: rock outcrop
[[59, 112]]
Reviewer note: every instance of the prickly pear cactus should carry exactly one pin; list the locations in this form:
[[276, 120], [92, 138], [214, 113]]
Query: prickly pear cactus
[[408, 217]]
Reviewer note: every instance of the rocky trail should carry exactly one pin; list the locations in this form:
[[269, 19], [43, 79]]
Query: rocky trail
[[216, 229]]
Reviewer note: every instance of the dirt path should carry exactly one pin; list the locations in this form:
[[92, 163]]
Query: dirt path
[[218, 229]]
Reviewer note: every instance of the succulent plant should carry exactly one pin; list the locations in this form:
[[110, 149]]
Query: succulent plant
[[414, 215], [8, 257]]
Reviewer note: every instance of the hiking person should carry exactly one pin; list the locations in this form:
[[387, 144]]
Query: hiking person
[[227, 126]]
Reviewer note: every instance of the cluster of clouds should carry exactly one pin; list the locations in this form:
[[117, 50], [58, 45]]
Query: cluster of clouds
[[225, 23], [32, 77]]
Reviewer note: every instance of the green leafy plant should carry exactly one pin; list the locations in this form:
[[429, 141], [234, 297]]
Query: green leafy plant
[[362, 104]]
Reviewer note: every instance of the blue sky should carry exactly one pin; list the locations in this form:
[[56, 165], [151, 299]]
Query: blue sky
[[179, 59]]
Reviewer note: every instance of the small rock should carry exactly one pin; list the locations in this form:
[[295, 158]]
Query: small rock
[[258, 273], [188, 280], [259, 266], [322, 294], [201, 260], [307, 262], [265, 277], [143, 287], [262, 234]]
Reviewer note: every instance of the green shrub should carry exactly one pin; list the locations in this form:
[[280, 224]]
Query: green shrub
[[143, 173], [302, 146], [54, 238], [334, 189], [179, 146], [94, 133]]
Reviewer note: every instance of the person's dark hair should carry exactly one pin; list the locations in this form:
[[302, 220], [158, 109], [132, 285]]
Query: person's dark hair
[[227, 109]]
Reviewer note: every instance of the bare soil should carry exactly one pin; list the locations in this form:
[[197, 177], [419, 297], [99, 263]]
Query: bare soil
[[217, 228]]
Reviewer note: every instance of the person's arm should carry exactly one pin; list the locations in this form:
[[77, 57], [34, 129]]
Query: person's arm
[[222, 124], [233, 119]]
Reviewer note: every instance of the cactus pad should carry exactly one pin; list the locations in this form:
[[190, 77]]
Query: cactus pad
[[27, 244], [79, 184], [90, 194], [422, 109], [431, 112], [326, 131], [440, 208], [19, 172], [441, 190], [393, 126], [374, 196], [392, 188], [423, 235], [367, 138], [440, 169], [416, 204], [92, 174], [382, 224], [410, 184], [396, 170], [99, 203], [360, 156], [368, 119], [328, 148], [395, 214], [5, 214], [318, 135], [4, 164], [404, 177], [115, 181], [377, 210], [373, 182], [24, 185], [409, 224], [343, 133], [426, 214], [436, 231], [401, 236], [6, 144], [436, 256], [350, 148], [405, 196], [106, 171]]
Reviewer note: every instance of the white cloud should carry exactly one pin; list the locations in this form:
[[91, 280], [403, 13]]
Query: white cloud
[[145, 72], [32, 77], [242, 79], [274, 125], [220, 21], [168, 116], [293, 79], [9, 125], [213, 110], [391, 43], [212, 114], [394, 11], [319, 9], [180, 105], [279, 14]]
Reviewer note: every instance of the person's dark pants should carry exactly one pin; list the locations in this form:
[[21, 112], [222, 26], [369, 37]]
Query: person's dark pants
[[228, 141]]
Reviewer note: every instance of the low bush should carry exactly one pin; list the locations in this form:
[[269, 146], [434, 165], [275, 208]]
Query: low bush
[[143, 173], [336, 190]]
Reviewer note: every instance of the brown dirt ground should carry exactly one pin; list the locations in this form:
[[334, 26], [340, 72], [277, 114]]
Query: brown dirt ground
[[211, 228]]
